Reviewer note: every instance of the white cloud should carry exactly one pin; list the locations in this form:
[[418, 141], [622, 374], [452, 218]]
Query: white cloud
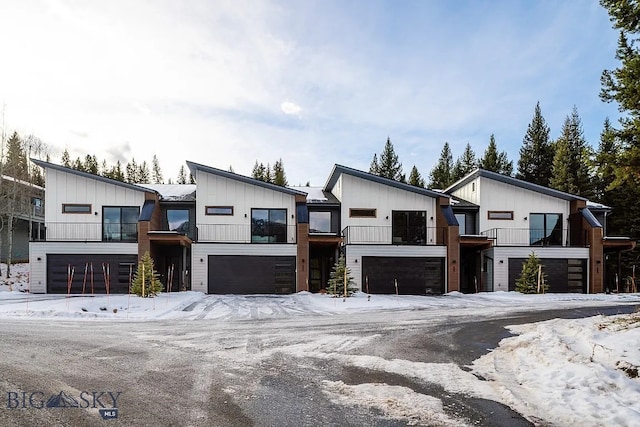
[[290, 108]]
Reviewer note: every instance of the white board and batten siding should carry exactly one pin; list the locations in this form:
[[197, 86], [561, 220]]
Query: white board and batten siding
[[215, 190], [501, 256], [38, 256], [492, 195], [355, 253], [200, 253], [359, 193], [74, 189]]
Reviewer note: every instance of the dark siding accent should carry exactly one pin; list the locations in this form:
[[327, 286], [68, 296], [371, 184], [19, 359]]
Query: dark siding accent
[[58, 267], [239, 274], [415, 276], [302, 213], [562, 275]]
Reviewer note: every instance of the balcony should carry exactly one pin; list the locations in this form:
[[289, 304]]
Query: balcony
[[90, 232], [385, 235], [241, 233], [527, 237]]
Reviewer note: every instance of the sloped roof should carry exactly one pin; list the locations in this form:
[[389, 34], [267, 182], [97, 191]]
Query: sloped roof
[[247, 180], [88, 175], [339, 169], [511, 181], [173, 192]]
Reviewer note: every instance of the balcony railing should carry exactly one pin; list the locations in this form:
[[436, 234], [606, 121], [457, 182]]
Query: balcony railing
[[385, 235], [91, 232], [241, 233], [527, 237]]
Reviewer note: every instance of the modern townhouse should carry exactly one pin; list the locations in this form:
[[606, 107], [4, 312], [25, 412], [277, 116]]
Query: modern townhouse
[[234, 234]]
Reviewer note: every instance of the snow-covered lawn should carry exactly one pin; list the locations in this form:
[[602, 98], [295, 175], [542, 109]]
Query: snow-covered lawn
[[557, 372]]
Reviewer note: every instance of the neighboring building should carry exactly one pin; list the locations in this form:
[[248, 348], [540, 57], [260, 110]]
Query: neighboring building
[[234, 234], [28, 217]]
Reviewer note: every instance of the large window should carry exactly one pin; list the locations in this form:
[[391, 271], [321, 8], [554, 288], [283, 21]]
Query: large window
[[178, 220], [409, 227], [462, 223], [268, 225], [120, 223], [545, 229], [319, 222]]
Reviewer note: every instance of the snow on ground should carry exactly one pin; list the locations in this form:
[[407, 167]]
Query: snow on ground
[[558, 372]]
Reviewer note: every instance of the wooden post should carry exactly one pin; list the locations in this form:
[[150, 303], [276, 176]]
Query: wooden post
[[395, 282], [344, 294], [539, 276]]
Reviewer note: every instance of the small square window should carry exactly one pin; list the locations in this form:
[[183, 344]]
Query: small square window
[[218, 210], [362, 213], [504, 215], [75, 208]]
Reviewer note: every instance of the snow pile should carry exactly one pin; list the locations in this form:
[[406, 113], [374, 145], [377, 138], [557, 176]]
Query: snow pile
[[576, 372], [18, 279]]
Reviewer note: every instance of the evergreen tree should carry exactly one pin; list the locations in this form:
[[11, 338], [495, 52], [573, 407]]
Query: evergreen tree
[[571, 172], [116, 172], [145, 280], [66, 159], [78, 164], [104, 169], [494, 161], [182, 175], [389, 166], [131, 172], [375, 166], [336, 282], [415, 178], [258, 172], [537, 151], [16, 163], [192, 180], [279, 175], [144, 176], [156, 172], [90, 164], [605, 161], [267, 174], [527, 283], [465, 164], [441, 175]]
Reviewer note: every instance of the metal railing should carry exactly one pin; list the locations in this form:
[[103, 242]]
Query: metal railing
[[90, 232], [242, 233], [527, 237], [385, 235]]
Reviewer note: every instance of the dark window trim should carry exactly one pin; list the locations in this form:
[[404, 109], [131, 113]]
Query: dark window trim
[[120, 231], [286, 225], [206, 210], [361, 212], [76, 205], [500, 212]]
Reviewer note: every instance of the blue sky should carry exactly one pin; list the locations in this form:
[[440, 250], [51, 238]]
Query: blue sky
[[312, 82]]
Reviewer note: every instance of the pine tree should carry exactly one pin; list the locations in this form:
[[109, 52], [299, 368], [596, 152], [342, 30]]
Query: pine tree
[[66, 159], [441, 174], [336, 282], [375, 166], [465, 164], [536, 153], [156, 172], [415, 178], [144, 176], [389, 166], [78, 164], [267, 174], [258, 172], [527, 283], [182, 175], [131, 172], [279, 175], [605, 161], [192, 179], [145, 281], [571, 172], [494, 161], [90, 164], [16, 163]]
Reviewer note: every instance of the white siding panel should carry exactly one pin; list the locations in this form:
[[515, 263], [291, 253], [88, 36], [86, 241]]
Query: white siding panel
[[470, 192], [38, 268], [356, 252], [201, 251]]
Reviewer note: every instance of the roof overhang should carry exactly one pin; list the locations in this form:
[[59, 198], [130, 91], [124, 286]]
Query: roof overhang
[[618, 244], [475, 241], [169, 238]]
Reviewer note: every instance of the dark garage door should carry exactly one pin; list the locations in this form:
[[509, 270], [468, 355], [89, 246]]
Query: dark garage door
[[59, 265], [415, 276], [562, 275], [239, 274]]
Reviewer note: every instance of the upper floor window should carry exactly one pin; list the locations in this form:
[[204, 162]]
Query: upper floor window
[[319, 222], [462, 223], [508, 215], [218, 210], [362, 213], [409, 227], [268, 225], [178, 220], [76, 208], [545, 229], [120, 223]]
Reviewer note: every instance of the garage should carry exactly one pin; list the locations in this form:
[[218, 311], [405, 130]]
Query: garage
[[414, 275], [244, 274], [562, 275], [88, 269]]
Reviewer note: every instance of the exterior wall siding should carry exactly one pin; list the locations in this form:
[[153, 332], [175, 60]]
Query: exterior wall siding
[[39, 250], [354, 254], [201, 251]]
